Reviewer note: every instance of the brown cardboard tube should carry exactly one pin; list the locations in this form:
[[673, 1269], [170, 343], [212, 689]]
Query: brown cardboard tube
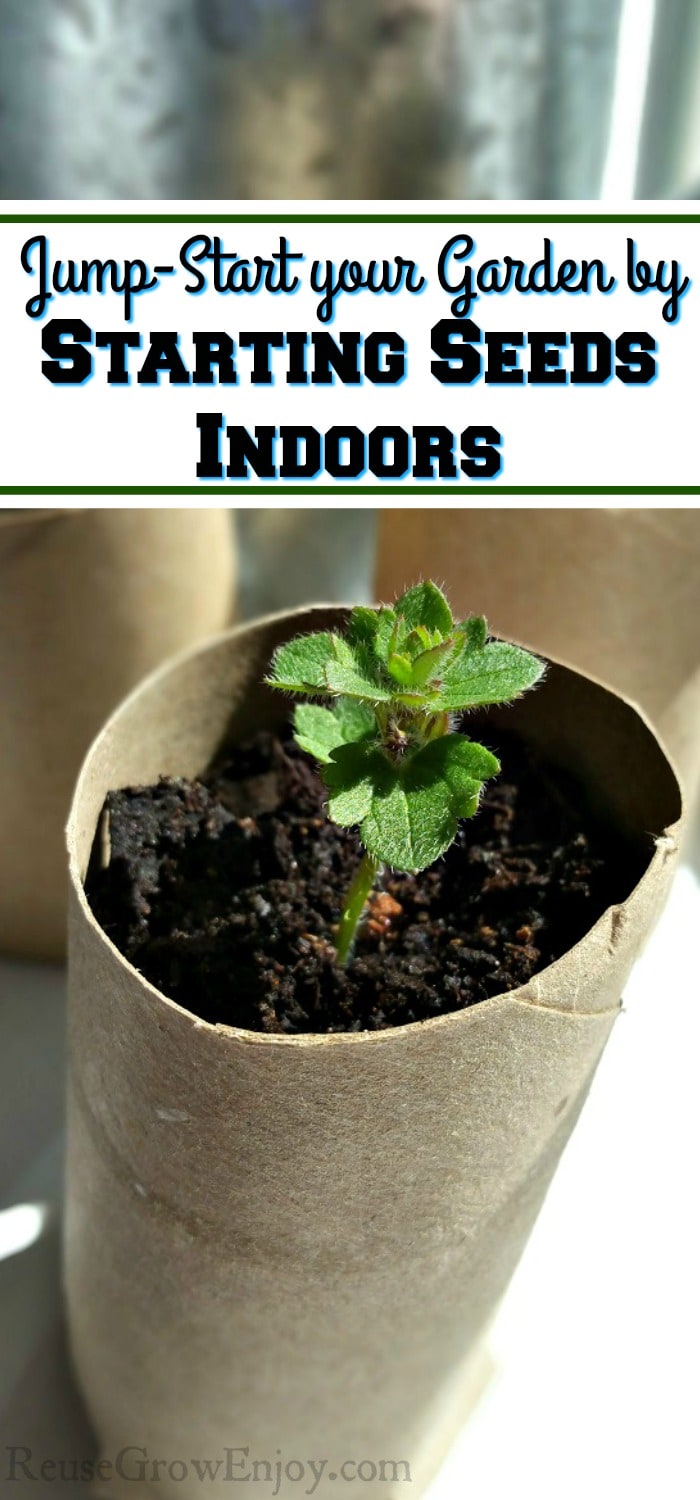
[[90, 600], [295, 1244], [614, 592]]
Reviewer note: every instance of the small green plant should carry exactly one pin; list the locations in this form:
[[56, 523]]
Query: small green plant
[[392, 764]]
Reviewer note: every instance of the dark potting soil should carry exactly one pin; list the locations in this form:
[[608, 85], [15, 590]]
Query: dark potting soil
[[224, 893]]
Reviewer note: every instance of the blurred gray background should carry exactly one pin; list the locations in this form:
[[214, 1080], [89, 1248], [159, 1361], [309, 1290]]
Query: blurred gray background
[[290, 557], [325, 98]]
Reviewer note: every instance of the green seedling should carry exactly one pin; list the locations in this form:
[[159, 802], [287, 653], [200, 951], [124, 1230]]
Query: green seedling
[[393, 765]]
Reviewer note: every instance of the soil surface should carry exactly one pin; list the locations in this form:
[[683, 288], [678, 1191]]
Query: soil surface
[[224, 893]]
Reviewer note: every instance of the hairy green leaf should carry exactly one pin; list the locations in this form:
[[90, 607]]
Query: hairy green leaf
[[401, 669], [409, 827], [408, 812], [352, 673], [495, 674], [425, 605], [386, 634], [352, 776], [420, 640], [320, 731], [416, 698], [461, 762], [362, 626], [299, 666], [431, 663], [475, 631]]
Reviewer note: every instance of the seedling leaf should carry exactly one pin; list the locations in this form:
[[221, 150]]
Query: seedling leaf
[[351, 672], [320, 731], [497, 673], [300, 665], [362, 626], [475, 632], [425, 605], [386, 636], [431, 662], [352, 776]]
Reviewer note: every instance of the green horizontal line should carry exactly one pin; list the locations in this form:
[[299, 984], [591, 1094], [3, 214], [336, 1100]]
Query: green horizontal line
[[228, 218], [436, 490]]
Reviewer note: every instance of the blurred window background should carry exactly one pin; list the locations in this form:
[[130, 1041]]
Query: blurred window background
[[295, 557], [349, 98]]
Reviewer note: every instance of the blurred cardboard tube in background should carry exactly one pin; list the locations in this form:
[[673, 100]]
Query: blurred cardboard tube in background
[[90, 601], [614, 592], [324, 1224]]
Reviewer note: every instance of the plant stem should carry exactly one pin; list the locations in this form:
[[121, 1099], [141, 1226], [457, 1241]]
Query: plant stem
[[355, 905]]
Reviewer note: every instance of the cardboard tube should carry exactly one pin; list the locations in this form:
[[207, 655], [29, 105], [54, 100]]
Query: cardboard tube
[[294, 1244], [90, 600], [615, 592]]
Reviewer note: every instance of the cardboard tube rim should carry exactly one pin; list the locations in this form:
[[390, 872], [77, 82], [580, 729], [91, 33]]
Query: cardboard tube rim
[[668, 839]]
